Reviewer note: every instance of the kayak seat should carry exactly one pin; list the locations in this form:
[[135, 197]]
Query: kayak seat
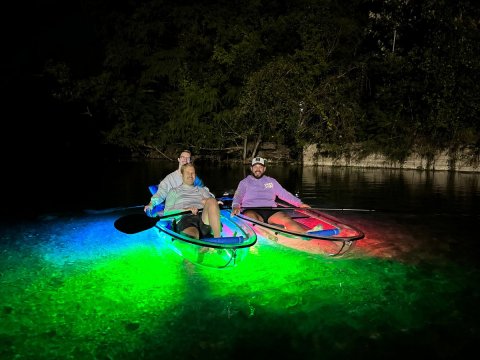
[[153, 189], [299, 217]]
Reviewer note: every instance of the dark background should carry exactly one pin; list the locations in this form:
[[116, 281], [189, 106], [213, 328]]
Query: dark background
[[46, 146], [34, 33]]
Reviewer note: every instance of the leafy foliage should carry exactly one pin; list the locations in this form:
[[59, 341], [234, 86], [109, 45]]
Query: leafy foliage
[[425, 86], [384, 76]]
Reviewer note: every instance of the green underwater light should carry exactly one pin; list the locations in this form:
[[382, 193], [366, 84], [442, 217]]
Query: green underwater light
[[77, 288]]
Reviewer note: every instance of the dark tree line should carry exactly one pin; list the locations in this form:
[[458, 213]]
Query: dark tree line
[[376, 76]]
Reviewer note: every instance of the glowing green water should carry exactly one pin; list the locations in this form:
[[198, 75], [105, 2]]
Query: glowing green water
[[76, 288]]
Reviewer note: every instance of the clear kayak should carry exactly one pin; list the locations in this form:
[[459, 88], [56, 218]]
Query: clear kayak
[[324, 235], [226, 251]]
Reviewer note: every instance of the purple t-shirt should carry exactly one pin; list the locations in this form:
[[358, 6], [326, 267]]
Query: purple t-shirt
[[252, 192]]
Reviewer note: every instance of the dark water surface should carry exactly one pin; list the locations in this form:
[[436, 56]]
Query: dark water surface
[[77, 186], [74, 287]]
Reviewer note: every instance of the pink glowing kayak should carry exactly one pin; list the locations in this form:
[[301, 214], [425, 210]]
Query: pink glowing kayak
[[324, 235]]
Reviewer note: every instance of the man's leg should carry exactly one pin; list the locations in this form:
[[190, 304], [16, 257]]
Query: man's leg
[[187, 226], [211, 216], [254, 215], [283, 219], [191, 231]]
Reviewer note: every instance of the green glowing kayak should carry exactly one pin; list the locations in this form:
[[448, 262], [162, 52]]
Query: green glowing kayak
[[226, 251]]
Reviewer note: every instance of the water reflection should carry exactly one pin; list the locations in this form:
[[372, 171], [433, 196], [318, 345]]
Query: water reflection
[[392, 189], [66, 187]]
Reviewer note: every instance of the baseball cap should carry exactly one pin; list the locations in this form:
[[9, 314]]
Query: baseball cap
[[258, 160]]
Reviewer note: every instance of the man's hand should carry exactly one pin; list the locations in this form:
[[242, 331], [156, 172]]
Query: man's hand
[[194, 210], [236, 210], [304, 206]]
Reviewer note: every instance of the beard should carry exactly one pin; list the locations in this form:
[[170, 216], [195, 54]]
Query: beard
[[257, 176]]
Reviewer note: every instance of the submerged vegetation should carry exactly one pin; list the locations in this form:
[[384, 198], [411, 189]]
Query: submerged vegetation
[[385, 76]]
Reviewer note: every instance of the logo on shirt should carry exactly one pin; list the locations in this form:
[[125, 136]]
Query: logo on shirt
[[268, 185]]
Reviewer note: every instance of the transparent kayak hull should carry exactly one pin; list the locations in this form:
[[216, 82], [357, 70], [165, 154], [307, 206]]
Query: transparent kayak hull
[[227, 251], [333, 237]]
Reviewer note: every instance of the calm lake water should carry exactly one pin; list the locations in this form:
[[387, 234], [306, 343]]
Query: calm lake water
[[63, 186], [74, 287]]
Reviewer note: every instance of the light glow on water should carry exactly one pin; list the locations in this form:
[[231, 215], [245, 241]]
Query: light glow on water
[[75, 287]]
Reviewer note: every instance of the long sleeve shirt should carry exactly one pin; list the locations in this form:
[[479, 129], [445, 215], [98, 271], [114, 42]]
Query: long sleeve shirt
[[172, 180], [186, 196], [252, 192]]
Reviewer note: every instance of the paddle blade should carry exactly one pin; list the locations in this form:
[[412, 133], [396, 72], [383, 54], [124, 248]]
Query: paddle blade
[[134, 223]]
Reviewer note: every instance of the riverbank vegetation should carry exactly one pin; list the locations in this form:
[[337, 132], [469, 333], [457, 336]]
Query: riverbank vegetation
[[225, 77]]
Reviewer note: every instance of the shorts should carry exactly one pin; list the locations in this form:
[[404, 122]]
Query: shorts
[[264, 213], [194, 220]]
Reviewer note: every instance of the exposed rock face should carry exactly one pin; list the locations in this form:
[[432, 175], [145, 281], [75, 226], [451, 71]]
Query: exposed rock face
[[464, 161]]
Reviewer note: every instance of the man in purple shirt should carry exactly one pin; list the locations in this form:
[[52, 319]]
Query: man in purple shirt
[[259, 190]]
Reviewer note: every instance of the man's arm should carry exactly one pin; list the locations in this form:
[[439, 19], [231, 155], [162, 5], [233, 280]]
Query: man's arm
[[238, 198], [164, 187]]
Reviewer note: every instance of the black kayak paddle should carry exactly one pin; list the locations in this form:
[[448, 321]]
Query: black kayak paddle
[[135, 223]]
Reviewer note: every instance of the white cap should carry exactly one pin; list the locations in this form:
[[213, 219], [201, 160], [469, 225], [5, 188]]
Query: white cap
[[258, 160]]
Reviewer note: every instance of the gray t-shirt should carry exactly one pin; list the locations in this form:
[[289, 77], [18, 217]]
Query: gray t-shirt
[[171, 181], [185, 196]]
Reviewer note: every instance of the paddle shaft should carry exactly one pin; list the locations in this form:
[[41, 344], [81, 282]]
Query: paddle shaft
[[176, 214], [301, 208]]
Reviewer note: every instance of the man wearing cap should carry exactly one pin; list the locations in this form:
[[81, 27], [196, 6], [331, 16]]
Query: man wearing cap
[[258, 190]]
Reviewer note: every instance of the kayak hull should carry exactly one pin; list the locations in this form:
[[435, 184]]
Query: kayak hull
[[334, 239], [227, 251]]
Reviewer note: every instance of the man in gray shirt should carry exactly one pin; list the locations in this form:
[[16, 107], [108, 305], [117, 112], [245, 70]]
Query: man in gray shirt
[[170, 181], [188, 197]]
